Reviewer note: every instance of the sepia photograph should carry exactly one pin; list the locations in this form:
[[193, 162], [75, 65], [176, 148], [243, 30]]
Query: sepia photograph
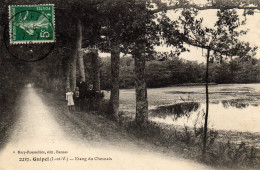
[[129, 84]]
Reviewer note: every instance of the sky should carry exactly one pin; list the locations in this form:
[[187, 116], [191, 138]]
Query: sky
[[209, 16]]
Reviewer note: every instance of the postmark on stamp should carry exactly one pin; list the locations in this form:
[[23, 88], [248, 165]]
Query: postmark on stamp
[[31, 24]]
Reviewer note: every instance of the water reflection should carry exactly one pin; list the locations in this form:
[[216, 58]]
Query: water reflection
[[177, 110], [237, 103], [236, 114]]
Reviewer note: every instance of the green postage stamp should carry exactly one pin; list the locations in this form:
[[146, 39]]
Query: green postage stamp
[[31, 24]]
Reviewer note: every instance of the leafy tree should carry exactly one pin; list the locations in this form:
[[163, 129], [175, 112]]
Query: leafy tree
[[129, 24], [114, 18], [175, 37], [222, 39]]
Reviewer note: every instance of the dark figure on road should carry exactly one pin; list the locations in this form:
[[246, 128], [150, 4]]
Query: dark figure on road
[[76, 99], [82, 94], [89, 97]]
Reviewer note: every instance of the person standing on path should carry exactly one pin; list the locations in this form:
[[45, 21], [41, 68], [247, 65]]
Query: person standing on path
[[76, 99], [82, 94], [69, 98], [89, 97]]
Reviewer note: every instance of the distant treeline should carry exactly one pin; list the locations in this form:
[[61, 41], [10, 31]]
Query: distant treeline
[[180, 71]]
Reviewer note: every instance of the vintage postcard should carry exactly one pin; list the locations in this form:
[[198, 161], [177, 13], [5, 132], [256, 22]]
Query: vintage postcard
[[129, 84]]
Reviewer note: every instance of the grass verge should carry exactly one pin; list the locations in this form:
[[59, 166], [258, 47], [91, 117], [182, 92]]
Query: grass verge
[[187, 142]]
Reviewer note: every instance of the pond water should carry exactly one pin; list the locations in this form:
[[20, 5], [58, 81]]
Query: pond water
[[232, 106], [233, 115]]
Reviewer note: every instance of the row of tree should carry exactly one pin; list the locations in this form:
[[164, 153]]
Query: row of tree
[[13, 72], [178, 71], [134, 27]]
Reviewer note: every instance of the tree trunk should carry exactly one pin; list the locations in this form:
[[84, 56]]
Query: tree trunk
[[68, 78], [140, 85], [75, 57], [114, 95], [80, 54], [96, 70], [207, 105], [74, 70]]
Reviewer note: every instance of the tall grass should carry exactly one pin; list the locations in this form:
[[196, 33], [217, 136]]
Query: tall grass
[[187, 142]]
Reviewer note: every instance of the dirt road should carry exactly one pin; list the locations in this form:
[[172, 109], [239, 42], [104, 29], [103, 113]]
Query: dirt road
[[47, 137]]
